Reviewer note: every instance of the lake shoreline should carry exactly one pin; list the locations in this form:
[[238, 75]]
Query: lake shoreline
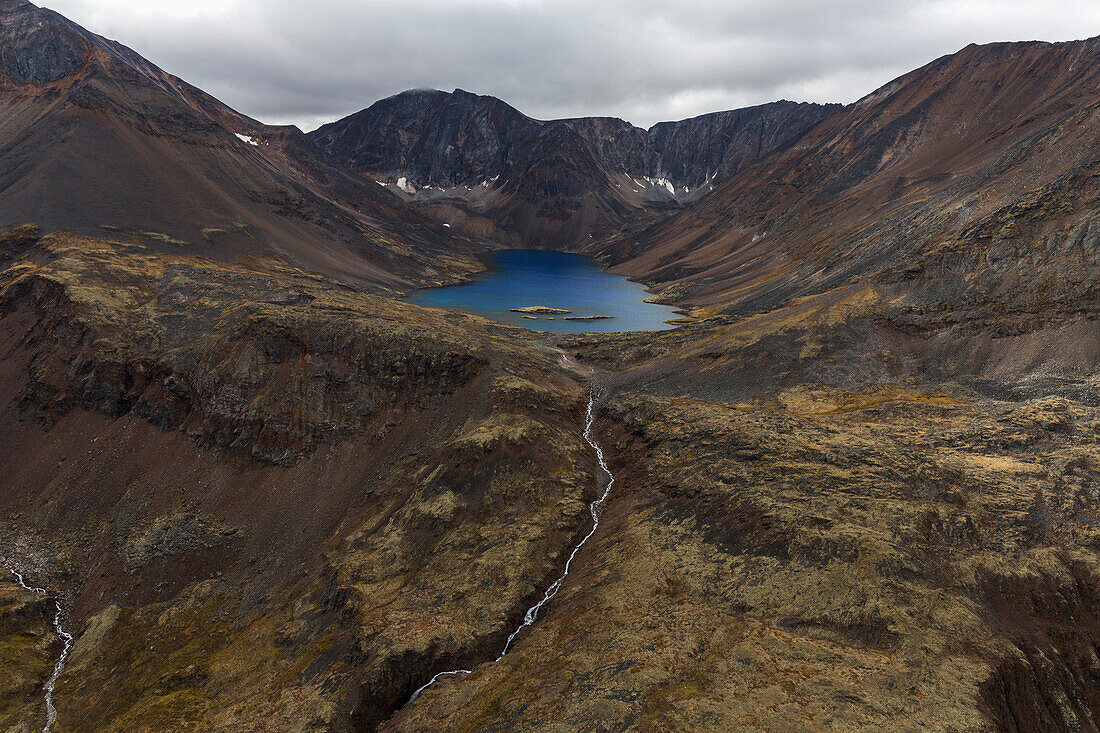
[[551, 291]]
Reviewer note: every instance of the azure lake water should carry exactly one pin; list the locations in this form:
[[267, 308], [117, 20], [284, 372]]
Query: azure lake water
[[521, 278]]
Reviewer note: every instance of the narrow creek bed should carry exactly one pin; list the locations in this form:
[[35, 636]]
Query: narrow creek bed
[[66, 637], [594, 509]]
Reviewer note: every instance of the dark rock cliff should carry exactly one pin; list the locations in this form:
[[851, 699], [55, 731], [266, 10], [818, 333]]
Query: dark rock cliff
[[494, 159], [438, 139], [714, 147]]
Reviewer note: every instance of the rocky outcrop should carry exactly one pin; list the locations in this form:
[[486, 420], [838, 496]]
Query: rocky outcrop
[[1050, 680], [433, 138], [174, 535], [712, 148], [40, 46], [242, 372], [429, 137], [475, 146]]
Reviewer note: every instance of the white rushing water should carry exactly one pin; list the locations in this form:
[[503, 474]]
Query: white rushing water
[[51, 711], [594, 509]]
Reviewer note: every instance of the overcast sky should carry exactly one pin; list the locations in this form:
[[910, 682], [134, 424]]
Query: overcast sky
[[312, 61]]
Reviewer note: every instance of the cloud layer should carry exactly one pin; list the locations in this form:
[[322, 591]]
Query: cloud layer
[[642, 60]]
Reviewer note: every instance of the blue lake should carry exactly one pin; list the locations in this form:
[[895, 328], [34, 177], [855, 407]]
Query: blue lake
[[520, 278]]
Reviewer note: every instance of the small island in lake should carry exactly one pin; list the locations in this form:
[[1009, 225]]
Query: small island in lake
[[542, 310], [551, 291]]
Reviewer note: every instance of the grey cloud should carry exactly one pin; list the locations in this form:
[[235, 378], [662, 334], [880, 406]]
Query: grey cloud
[[643, 60]]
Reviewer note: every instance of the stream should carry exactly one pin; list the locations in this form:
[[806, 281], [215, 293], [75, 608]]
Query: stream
[[51, 711], [594, 510]]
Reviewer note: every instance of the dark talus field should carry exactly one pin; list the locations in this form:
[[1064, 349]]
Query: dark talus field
[[856, 488]]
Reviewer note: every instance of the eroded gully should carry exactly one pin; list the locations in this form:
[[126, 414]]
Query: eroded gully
[[594, 509], [66, 637]]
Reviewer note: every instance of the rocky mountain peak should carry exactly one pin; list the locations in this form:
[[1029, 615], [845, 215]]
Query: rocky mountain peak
[[38, 45], [489, 154]]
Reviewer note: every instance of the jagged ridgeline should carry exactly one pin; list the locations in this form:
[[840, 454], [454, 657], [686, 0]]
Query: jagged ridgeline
[[856, 487], [560, 181]]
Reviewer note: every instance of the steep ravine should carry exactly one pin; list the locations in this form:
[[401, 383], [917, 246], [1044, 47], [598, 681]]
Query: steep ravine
[[594, 508], [67, 645]]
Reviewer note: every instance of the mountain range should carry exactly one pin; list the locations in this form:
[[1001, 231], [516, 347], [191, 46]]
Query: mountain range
[[856, 487], [555, 182]]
